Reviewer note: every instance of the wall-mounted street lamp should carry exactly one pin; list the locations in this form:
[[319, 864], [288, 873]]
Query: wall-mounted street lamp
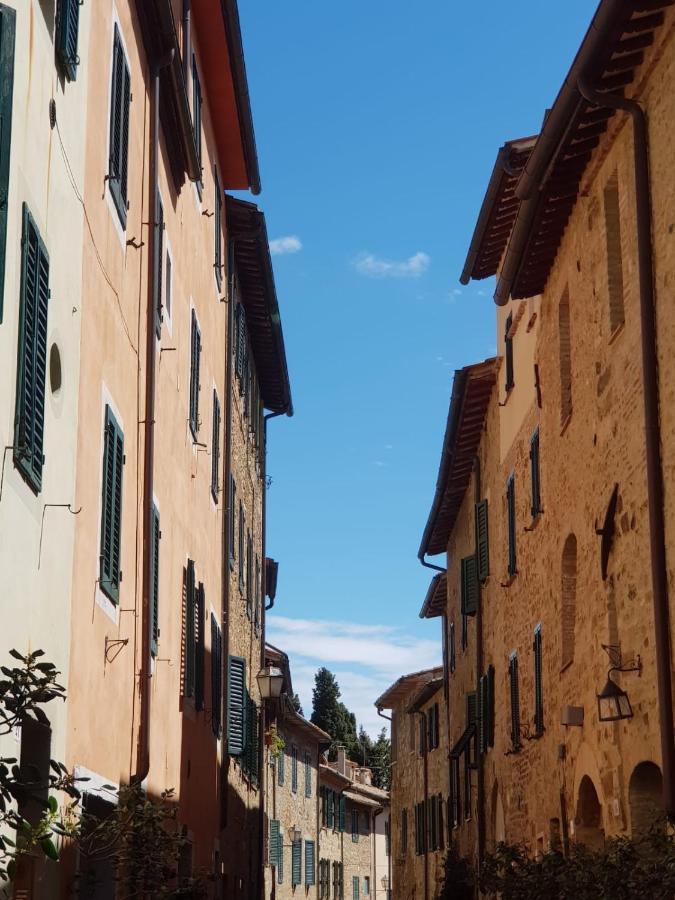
[[385, 882], [295, 833], [270, 682], [613, 702]]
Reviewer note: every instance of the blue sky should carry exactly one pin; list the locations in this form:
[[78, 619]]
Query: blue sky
[[377, 127]]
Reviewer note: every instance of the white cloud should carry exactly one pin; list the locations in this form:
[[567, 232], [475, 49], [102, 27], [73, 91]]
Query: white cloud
[[413, 267], [289, 244], [457, 292], [365, 659]]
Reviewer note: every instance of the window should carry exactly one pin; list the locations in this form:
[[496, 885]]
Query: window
[[7, 29], [280, 861], [242, 546], [67, 21], [486, 711], [454, 800], [534, 468], [158, 260], [403, 833], [565, 351], [281, 768], [355, 887], [197, 117], [258, 596], [190, 644], [310, 868], [249, 575], [29, 417], [308, 774], [200, 649], [538, 683], [154, 579], [232, 525], [294, 769], [469, 586], [471, 721], [250, 761], [432, 727], [324, 879], [118, 155], [435, 822], [218, 232], [195, 359], [168, 269], [569, 599], [215, 449], [330, 809], [482, 541], [216, 676], [508, 353], [422, 735], [341, 822], [420, 829], [296, 863], [236, 694], [511, 522], [614, 258], [355, 826], [453, 649], [275, 842], [366, 885], [515, 702], [111, 508]]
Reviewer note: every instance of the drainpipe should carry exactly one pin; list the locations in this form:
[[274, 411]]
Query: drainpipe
[[143, 759], [429, 565], [426, 803], [655, 500], [480, 816]]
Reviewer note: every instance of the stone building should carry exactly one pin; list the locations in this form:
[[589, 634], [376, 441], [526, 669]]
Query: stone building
[[551, 499], [419, 781]]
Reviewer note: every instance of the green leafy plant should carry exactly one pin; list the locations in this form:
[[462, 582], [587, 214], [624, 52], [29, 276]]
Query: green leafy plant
[[274, 742]]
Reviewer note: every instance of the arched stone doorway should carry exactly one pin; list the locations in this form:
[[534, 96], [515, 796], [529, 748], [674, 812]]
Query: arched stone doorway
[[644, 798], [588, 819]]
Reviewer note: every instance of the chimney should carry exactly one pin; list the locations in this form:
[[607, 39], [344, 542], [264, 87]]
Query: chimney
[[342, 761], [365, 776]]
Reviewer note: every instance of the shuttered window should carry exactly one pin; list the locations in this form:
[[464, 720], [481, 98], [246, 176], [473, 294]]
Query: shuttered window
[[29, 418], [433, 727], [232, 520], [200, 649], [67, 24], [511, 522], [242, 546], [469, 586], [453, 648], [249, 575], [275, 842], [515, 701], [472, 720], [154, 579], [296, 863], [342, 813], [197, 117], [486, 710], [236, 710], [195, 359], [111, 508], [310, 865], [189, 649], [538, 683], [508, 353], [7, 33], [215, 449], [482, 540], [218, 231], [534, 468], [252, 740], [216, 677], [118, 156], [454, 800], [355, 826], [308, 774], [330, 809], [294, 769], [355, 887], [324, 879], [158, 259], [280, 863], [281, 768]]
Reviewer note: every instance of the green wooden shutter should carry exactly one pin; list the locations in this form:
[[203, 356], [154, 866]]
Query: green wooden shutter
[[111, 507], [483, 713], [217, 224], [538, 683], [154, 580], [469, 586], [236, 715], [534, 467], [296, 863], [471, 719], [67, 24], [7, 33], [508, 353], [330, 808], [216, 676], [242, 546], [275, 837], [190, 633], [308, 775], [119, 129], [197, 116], [511, 513], [280, 861], [310, 866], [252, 726], [491, 705], [195, 358], [355, 826], [281, 767], [515, 702], [215, 449], [158, 260], [342, 816], [355, 887], [232, 521], [294, 769], [482, 540]]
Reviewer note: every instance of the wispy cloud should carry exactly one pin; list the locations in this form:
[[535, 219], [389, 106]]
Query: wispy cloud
[[373, 266], [364, 658], [289, 244]]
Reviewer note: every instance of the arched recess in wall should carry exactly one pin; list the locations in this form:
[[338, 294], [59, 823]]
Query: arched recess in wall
[[588, 819], [568, 607], [498, 818], [644, 798]]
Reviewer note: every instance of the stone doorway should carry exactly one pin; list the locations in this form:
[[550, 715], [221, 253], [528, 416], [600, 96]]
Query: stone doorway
[[644, 798], [588, 819]]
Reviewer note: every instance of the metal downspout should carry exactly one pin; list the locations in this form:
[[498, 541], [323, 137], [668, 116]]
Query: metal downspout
[[428, 565], [143, 759], [655, 500], [425, 756], [480, 814]]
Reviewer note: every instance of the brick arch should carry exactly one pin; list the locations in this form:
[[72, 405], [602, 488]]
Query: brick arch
[[644, 797], [568, 596]]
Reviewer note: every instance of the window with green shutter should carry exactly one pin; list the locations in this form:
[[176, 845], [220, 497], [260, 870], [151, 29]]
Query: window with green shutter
[[511, 522], [281, 767], [154, 580], [508, 353], [514, 691], [534, 468], [280, 861], [355, 826], [67, 25], [118, 156], [308, 774], [366, 886], [482, 540], [469, 586], [190, 646], [355, 887], [197, 117], [215, 449], [251, 754], [218, 231], [330, 808], [242, 547], [294, 769], [296, 863], [249, 575], [342, 813], [111, 507], [29, 418], [7, 34], [471, 722], [158, 260], [538, 683], [236, 711], [310, 865], [455, 799], [200, 646], [275, 842], [195, 360], [232, 520], [216, 677]]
